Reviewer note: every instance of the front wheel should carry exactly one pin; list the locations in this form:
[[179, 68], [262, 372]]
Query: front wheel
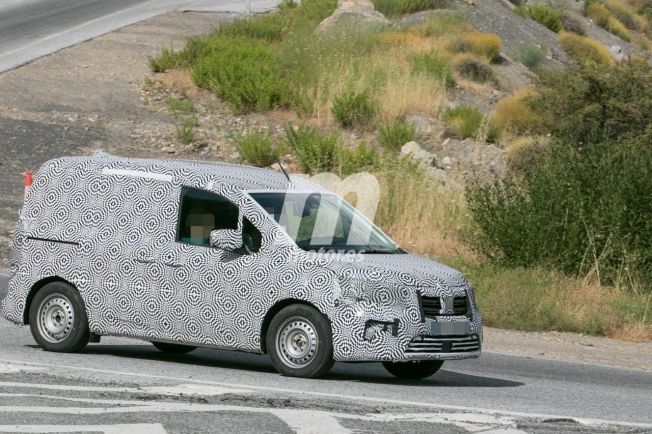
[[173, 348], [57, 318], [413, 370], [300, 342]]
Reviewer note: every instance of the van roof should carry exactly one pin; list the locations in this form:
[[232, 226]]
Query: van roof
[[193, 172]]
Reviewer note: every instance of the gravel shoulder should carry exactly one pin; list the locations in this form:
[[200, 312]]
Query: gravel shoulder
[[570, 347]]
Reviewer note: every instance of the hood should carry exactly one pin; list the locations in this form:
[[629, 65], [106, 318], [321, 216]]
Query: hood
[[404, 269]]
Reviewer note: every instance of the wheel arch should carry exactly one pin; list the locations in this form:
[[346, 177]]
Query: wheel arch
[[36, 288], [276, 308]]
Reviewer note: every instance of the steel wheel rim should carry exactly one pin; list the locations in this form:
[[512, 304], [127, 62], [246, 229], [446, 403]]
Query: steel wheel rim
[[55, 318], [297, 342]]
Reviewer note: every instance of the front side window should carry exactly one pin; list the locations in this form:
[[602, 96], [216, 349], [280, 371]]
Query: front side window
[[324, 222], [202, 212]]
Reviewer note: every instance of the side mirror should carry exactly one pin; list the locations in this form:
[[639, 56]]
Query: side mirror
[[226, 239]]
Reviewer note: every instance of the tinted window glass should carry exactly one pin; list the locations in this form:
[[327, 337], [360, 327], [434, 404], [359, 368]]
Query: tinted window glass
[[202, 212], [252, 239]]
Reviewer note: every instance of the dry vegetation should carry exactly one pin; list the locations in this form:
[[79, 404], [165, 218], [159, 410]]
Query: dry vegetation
[[316, 79]]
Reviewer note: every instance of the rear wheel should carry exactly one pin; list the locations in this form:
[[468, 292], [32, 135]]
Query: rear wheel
[[57, 318], [300, 343], [413, 370], [173, 348]]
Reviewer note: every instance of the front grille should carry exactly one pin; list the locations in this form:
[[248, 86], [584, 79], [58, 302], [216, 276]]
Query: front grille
[[431, 306], [442, 344]]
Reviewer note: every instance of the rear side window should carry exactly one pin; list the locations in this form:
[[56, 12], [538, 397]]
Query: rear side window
[[202, 212]]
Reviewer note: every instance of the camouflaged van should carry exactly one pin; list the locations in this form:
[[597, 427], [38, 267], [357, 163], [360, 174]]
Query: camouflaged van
[[194, 254]]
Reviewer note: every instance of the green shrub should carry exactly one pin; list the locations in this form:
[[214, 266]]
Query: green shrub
[[244, 72], [544, 15], [354, 109], [180, 105], [586, 103], [585, 49], [258, 148], [394, 135], [463, 122], [315, 152], [168, 59], [530, 55], [431, 65], [356, 159], [577, 210], [186, 130], [475, 69], [398, 7], [269, 27]]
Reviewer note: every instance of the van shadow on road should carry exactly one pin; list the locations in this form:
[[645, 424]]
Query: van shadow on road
[[372, 373]]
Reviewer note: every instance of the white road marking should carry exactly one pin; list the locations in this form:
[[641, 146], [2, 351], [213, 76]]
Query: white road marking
[[582, 420], [141, 428], [300, 420], [177, 389]]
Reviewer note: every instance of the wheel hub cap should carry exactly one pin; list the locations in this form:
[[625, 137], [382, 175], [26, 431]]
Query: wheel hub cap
[[55, 318], [297, 342]]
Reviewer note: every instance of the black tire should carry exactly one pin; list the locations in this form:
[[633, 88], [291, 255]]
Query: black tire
[[173, 348], [309, 334], [57, 318], [413, 370]]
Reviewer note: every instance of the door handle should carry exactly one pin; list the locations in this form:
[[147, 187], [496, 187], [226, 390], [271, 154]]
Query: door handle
[[173, 264], [145, 260]]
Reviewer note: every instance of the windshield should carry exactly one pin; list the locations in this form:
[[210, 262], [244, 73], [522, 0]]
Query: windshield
[[324, 222]]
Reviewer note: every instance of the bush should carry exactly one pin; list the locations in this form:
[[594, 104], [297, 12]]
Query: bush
[[356, 159], [573, 24], [487, 45], [186, 130], [431, 65], [530, 55], [603, 18], [516, 113], [258, 148], [180, 105], [315, 152], [269, 27], [543, 14], [245, 73], [168, 59], [396, 134], [463, 122], [354, 109], [585, 49], [398, 7], [578, 210], [469, 66], [586, 103]]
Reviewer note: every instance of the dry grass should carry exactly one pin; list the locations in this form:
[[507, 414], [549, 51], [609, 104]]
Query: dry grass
[[513, 113], [540, 299], [422, 217], [585, 49], [487, 45], [180, 80]]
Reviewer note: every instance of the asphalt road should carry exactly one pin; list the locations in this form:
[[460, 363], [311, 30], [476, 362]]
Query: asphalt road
[[141, 385], [33, 28]]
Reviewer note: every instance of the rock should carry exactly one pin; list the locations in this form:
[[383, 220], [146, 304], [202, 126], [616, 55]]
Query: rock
[[617, 52], [421, 124], [354, 12], [427, 161], [418, 153]]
